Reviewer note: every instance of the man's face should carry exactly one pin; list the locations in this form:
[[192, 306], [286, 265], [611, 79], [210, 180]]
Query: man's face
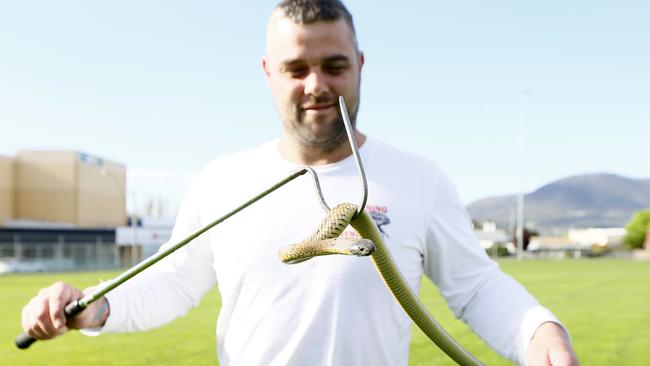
[[307, 67]]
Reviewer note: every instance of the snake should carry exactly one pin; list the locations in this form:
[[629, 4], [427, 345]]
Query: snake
[[326, 240]]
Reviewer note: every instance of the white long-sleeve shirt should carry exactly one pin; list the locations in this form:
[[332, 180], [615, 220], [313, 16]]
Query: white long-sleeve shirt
[[332, 310]]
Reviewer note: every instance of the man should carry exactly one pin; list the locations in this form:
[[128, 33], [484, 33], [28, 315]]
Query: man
[[330, 310]]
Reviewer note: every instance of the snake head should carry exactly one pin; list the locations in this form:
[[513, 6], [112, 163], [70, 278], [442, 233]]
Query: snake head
[[362, 247]]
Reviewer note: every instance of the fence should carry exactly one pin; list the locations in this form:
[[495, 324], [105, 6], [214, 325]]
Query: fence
[[65, 256]]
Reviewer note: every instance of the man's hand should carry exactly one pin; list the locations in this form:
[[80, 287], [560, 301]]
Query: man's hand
[[44, 318], [550, 346]]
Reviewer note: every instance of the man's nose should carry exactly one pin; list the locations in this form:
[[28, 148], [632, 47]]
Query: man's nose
[[315, 83]]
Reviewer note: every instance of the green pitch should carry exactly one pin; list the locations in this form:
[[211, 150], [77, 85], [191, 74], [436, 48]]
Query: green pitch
[[605, 304]]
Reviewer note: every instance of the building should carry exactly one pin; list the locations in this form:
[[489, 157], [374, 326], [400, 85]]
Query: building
[[68, 187], [6, 188], [59, 210], [577, 242], [598, 237], [142, 240], [553, 243], [489, 235]]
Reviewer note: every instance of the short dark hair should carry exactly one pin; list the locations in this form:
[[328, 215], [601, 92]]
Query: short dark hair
[[312, 11]]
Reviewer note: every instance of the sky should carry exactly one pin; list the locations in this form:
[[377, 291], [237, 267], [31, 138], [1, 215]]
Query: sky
[[505, 96]]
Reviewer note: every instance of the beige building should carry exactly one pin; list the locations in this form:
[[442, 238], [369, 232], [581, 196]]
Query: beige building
[[6, 188], [610, 237], [65, 187]]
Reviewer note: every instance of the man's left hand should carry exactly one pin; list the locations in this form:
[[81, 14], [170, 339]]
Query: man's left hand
[[550, 346]]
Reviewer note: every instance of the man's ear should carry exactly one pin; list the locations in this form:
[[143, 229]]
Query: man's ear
[[265, 68], [362, 60]]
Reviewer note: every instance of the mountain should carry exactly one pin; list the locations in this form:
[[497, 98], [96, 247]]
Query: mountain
[[590, 200]]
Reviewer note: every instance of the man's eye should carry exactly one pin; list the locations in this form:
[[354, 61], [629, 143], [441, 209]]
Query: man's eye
[[335, 69], [298, 72]]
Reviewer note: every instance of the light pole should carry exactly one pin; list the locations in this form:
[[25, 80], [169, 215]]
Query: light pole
[[522, 173]]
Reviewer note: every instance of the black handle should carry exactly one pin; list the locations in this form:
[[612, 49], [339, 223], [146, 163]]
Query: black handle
[[23, 341]]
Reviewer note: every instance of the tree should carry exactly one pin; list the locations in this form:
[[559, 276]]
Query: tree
[[637, 229], [528, 233]]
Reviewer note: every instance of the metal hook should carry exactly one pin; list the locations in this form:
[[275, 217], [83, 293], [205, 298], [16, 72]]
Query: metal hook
[[319, 191], [355, 152]]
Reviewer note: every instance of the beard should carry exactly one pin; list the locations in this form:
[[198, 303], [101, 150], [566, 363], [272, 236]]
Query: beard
[[325, 133]]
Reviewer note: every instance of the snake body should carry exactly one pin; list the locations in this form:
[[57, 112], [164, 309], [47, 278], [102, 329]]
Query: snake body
[[331, 227]]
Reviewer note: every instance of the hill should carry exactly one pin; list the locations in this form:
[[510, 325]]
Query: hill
[[590, 200]]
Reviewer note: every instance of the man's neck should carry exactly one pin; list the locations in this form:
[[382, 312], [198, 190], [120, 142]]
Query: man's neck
[[293, 151]]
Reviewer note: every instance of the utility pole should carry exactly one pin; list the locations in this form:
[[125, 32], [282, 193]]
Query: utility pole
[[520, 226], [522, 173]]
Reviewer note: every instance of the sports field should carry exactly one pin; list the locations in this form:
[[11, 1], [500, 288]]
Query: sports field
[[605, 303]]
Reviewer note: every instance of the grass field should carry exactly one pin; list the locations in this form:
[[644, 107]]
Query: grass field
[[605, 304]]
